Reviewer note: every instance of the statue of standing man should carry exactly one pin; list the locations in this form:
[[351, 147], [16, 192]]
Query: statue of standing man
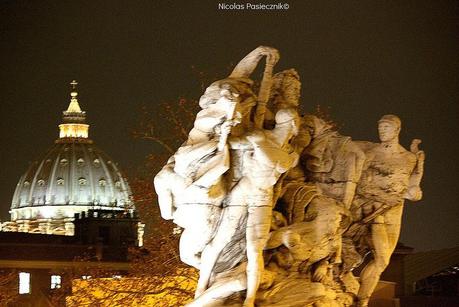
[[391, 174]]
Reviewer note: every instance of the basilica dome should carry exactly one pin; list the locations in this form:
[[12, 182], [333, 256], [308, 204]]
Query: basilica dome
[[72, 177], [72, 173]]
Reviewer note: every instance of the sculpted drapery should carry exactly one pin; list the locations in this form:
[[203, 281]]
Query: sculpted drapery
[[278, 208]]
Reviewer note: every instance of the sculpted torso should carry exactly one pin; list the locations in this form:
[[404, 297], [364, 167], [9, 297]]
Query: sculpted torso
[[386, 174]]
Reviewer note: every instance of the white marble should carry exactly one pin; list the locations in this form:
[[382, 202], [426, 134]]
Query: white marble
[[274, 206]]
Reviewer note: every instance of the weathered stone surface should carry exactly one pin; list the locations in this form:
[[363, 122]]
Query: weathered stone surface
[[277, 208]]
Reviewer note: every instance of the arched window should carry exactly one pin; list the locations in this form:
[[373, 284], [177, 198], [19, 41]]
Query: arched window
[[102, 182]]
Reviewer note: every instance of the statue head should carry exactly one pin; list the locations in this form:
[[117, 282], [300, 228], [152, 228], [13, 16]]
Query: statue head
[[389, 128], [315, 125], [285, 90], [288, 118], [237, 87]]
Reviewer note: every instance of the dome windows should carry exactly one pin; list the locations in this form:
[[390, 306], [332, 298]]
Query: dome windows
[[72, 177]]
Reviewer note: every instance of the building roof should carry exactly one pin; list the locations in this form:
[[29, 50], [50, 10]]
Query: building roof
[[420, 265]]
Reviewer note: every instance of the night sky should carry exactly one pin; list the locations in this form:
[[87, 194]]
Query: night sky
[[363, 60]]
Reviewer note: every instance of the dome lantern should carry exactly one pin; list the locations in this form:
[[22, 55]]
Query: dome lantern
[[74, 118]]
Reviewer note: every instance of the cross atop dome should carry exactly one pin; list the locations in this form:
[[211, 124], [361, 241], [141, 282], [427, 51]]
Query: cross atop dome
[[74, 83], [74, 107]]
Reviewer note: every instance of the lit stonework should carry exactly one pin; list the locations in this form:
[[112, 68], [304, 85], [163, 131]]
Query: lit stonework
[[72, 177], [73, 130], [74, 119]]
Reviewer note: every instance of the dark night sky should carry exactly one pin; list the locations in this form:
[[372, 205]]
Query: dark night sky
[[362, 60]]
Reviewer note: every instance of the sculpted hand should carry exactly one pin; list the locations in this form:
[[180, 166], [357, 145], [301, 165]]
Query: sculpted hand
[[226, 127], [414, 193], [225, 130], [272, 55], [421, 156], [414, 147]]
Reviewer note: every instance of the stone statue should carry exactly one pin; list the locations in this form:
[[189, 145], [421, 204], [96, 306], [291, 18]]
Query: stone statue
[[267, 156], [190, 187], [390, 175], [332, 161], [277, 208]]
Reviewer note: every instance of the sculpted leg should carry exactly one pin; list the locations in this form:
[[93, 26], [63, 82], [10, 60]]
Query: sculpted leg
[[258, 224], [384, 237], [199, 222], [231, 217]]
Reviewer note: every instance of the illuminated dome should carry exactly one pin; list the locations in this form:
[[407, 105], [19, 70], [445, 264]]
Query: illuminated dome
[[73, 176]]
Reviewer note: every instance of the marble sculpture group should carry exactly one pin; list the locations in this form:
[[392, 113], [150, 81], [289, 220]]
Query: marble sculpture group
[[278, 208]]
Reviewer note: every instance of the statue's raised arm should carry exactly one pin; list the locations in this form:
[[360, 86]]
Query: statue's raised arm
[[414, 192], [245, 68], [247, 65]]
